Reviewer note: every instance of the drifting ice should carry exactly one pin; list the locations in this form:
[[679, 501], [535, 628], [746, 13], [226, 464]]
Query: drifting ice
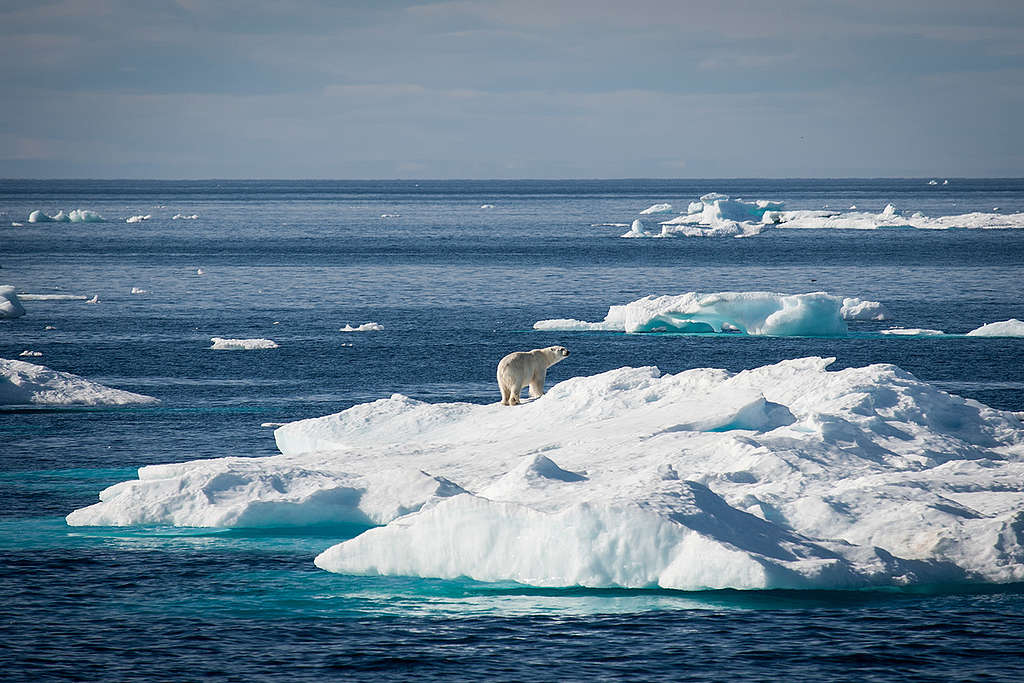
[[365, 327], [10, 304], [784, 476], [27, 383], [657, 208], [138, 219], [1006, 328], [74, 216], [221, 344], [757, 313]]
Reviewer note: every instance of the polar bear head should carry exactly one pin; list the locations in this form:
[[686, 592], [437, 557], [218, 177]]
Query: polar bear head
[[553, 354]]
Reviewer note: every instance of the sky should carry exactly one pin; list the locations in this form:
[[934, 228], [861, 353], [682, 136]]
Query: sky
[[511, 88]]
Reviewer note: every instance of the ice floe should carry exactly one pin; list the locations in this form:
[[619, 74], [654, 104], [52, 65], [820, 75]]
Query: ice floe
[[53, 297], [28, 353], [184, 217], [912, 332], [139, 290], [1005, 328], [10, 304], [221, 344], [783, 476], [656, 208], [365, 327], [73, 216], [138, 219], [719, 215], [26, 383], [756, 313]]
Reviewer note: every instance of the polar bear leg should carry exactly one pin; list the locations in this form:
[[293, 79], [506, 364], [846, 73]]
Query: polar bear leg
[[505, 393], [513, 395], [537, 383]]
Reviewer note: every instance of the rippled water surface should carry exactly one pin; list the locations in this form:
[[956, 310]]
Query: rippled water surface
[[455, 287]]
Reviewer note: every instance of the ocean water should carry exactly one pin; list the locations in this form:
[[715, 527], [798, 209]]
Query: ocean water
[[455, 287]]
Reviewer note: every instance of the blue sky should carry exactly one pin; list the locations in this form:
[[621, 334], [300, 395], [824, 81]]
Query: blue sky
[[511, 89]]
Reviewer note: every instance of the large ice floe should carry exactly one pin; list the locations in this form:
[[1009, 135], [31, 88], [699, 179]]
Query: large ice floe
[[10, 304], [783, 476], [756, 313], [719, 215], [1005, 328], [23, 383]]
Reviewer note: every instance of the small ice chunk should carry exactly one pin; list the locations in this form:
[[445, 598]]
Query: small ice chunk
[[365, 327], [859, 309], [139, 290], [656, 208], [84, 216], [138, 219], [94, 300], [184, 217], [636, 229], [391, 215], [27, 352], [200, 271], [487, 206], [221, 344], [1005, 328], [38, 216]]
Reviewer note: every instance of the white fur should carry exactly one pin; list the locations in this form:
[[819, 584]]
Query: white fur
[[522, 368]]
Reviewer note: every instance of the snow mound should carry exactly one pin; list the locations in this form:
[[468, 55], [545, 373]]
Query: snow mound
[[656, 208], [756, 313], [783, 476], [73, 216], [1005, 328], [365, 327], [26, 383], [10, 304], [221, 344]]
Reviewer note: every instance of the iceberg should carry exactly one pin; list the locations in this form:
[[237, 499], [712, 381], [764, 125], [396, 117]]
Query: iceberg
[[754, 313], [1005, 328], [26, 383], [221, 344], [10, 304], [718, 215], [782, 476], [656, 208], [365, 327]]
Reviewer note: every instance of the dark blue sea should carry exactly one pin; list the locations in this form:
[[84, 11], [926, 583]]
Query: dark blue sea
[[455, 287]]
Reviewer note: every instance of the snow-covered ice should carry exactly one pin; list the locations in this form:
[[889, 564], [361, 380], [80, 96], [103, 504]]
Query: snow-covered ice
[[783, 476], [10, 304], [757, 313], [912, 332], [73, 216], [718, 215], [53, 297], [1005, 328], [365, 327], [221, 344], [656, 208], [27, 383]]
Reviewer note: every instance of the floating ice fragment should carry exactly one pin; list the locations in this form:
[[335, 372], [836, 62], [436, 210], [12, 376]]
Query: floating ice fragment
[[27, 352], [186, 217], [933, 182], [391, 215], [859, 309], [1006, 328], [94, 300], [912, 332], [52, 297], [25, 383], [221, 344], [139, 290], [10, 304], [656, 208], [138, 219], [365, 327], [200, 271], [487, 206]]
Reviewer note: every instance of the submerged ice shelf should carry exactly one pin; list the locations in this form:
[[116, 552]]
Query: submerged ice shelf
[[784, 476]]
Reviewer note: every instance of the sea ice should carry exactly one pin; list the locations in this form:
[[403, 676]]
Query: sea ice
[[27, 383], [221, 344], [183, 216], [138, 219], [365, 327], [10, 304], [487, 206], [912, 332], [757, 313], [74, 216], [1005, 328], [139, 290], [656, 208], [27, 353], [783, 476]]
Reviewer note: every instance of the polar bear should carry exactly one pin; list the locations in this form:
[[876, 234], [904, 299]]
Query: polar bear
[[520, 368]]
